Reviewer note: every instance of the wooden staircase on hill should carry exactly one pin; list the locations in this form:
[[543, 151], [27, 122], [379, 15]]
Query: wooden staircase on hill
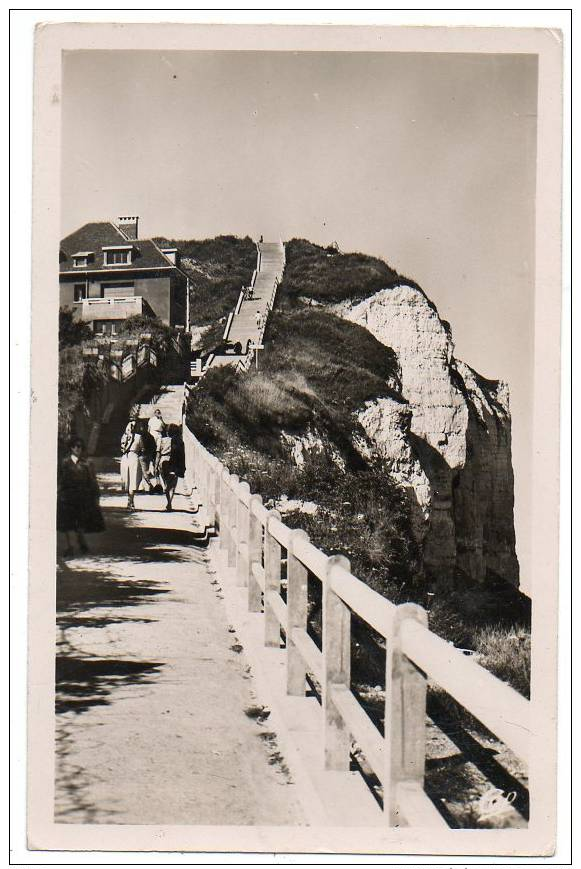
[[248, 321]]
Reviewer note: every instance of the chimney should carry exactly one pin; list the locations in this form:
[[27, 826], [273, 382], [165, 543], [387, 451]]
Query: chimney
[[128, 226]]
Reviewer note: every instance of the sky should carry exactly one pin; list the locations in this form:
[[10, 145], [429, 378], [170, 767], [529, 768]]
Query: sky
[[426, 160]]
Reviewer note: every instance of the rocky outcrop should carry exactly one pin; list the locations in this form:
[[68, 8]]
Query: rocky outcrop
[[449, 445]]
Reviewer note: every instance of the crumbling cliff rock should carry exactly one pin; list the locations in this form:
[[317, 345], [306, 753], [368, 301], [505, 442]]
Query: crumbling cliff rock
[[449, 445]]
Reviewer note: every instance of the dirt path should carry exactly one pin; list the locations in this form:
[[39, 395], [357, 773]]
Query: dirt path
[[156, 717]]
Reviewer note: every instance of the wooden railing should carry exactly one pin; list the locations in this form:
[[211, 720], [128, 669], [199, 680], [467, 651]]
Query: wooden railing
[[245, 363], [228, 325], [239, 302], [252, 539]]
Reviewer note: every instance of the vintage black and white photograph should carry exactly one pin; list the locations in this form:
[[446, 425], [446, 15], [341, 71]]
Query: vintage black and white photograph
[[290, 514]]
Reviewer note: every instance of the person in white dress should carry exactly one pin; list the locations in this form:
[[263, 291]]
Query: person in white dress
[[131, 471]]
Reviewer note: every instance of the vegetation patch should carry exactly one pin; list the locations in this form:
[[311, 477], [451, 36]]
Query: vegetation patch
[[506, 652], [79, 378], [316, 371], [161, 334], [218, 268], [326, 275], [72, 332]]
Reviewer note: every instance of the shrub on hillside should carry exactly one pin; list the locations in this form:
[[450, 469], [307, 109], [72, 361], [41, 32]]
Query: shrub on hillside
[[72, 332], [218, 268], [160, 332], [210, 339], [79, 377], [314, 272], [316, 372]]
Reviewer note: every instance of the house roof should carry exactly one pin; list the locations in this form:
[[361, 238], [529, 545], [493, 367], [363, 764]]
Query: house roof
[[93, 237]]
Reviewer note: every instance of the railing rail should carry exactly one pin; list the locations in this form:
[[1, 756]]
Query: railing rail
[[253, 539], [228, 324], [239, 302]]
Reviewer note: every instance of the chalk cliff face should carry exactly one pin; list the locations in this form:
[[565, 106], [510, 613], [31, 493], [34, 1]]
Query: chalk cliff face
[[450, 446]]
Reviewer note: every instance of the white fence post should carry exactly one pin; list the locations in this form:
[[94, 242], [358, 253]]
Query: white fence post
[[272, 556], [216, 476], [195, 477], [405, 715], [337, 668], [242, 523], [206, 487], [254, 556], [224, 510], [232, 516], [297, 602]]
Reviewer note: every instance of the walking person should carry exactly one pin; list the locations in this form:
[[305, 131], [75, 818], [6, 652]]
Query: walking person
[[170, 462], [78, 510], [155, 426], [146, 457], [131, 470], [258, 319]]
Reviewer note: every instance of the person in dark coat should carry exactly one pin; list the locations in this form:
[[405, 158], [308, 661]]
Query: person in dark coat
[[78, 508], [147, 457], [170, 462]]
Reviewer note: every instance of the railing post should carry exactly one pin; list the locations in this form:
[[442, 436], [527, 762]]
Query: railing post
[[297, 602], [337, 668], [272, 553], [207, 490], [202, 481], [232, 518], [405, 715], [254, 556], [217, 474], [225, 510], [208, 493], [195, 475], [242, 522]]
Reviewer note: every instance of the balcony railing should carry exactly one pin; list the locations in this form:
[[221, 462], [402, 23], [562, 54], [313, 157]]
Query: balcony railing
[[110, 308]]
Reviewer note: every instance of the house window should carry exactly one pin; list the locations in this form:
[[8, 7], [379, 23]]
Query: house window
[[80, 292], [118, 255], [82, 258]]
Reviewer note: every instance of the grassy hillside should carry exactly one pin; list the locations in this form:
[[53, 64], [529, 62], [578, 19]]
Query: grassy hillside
[[326, 275], [218, 268], [317, 370]]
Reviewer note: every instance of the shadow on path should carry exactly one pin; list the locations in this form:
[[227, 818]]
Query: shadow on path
[[85, 682], [80, 590]]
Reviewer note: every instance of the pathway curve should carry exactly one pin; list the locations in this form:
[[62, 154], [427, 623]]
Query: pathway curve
[[157, 722]]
